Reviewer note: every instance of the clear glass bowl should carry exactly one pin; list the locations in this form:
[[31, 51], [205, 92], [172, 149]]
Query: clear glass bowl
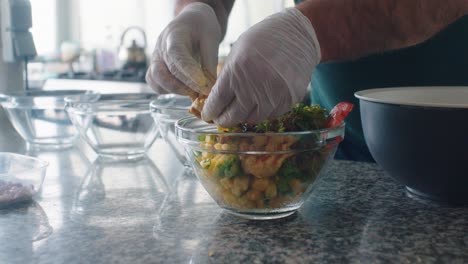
[[21, 177], [257, 176], [167, 109], [40, 117], [118, 126]]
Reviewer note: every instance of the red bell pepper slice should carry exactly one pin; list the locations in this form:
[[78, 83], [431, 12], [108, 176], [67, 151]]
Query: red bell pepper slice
[[338, 114]]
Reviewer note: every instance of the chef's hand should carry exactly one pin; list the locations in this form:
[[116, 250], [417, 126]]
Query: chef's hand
[[267, 71], [186, 46]]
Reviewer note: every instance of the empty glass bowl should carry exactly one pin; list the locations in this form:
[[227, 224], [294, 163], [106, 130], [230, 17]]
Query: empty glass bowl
[[118, 126], [257, 175], [21, 177], [40, 117], [167, 109]]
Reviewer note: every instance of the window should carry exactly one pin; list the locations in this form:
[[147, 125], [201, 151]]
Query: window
[[44, 28]]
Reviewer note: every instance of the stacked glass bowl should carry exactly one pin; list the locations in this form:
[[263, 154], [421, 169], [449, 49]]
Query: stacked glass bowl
[[166, 110], [117, 126], [40, 118]]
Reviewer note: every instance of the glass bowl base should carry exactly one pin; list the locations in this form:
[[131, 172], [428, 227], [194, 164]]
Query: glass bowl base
[[135, 156], [261, 216], [47, 146]]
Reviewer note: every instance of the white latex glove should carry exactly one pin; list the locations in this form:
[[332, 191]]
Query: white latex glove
[[187, 45], [267, 71]]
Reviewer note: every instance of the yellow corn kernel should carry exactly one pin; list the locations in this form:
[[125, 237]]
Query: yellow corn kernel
[[253, 195], [205, 163], [260, 184], [242, 182], [217, 146], [271, 191]]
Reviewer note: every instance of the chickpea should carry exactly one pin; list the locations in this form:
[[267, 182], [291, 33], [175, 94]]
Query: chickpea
[[260, 184], [271, 191], [236, 191], [225, 146], [245, 203], [242, 182], [229, 199], [253, 195], [208, 146], [260, 203], [277, 202], [226, 183]]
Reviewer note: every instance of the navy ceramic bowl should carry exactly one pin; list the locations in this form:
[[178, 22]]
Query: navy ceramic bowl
[[419, 135]]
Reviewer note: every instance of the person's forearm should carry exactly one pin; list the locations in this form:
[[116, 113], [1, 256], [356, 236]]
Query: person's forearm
[[351, 29], [222, 9]]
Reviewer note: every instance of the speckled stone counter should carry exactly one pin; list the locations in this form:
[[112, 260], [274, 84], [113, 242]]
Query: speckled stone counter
[[152, 211]]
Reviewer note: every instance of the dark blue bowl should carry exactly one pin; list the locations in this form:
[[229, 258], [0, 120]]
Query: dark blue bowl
[[419, 135]]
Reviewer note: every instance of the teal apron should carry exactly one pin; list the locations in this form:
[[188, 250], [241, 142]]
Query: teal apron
[[442, 60]]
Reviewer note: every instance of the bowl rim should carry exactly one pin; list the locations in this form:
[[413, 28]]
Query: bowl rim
[[366, 95], [106, 102], [327, 136], [41, 99], [154, 105], [240, 134], [41, 163], [101, 98]]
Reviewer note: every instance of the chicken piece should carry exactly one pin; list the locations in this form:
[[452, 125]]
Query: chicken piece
[[199, 101], [263, 166]]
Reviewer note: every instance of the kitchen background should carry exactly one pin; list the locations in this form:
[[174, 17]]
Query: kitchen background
[[85, 40]]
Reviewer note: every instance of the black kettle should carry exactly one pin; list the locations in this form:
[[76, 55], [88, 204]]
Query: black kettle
[[134, 56]]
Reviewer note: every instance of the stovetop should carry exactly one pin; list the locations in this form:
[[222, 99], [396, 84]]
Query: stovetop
[[116, 75]]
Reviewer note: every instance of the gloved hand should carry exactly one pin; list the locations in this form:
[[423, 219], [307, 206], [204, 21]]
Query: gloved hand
[[185, 47], [267, 71]]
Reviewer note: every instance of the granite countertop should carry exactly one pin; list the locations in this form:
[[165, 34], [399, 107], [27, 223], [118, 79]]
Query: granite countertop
[[155, 211]]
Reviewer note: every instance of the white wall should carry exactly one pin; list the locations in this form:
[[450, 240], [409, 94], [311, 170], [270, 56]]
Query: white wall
[[44, 25], [101, 22]]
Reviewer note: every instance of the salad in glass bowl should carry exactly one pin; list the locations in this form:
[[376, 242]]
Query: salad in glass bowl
[[267, 170]]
